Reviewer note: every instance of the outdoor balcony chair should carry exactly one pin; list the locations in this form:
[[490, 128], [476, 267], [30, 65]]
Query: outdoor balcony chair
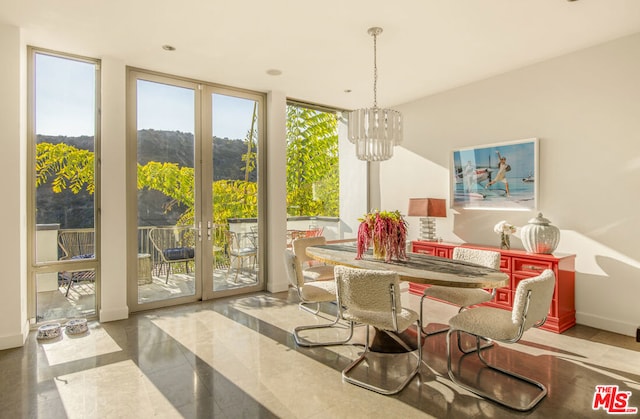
[[239, 253], [77, 244], [172, 245]]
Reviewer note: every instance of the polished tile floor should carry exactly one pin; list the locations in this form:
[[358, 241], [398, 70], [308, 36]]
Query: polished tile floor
[[237, 358]]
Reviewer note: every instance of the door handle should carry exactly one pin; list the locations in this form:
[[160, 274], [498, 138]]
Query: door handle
[[209, 226]]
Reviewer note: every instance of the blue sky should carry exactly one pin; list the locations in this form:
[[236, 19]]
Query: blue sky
[[65, 100], [65, 96]]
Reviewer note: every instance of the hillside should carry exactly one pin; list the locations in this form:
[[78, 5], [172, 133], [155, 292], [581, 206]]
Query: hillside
[[76, 210]]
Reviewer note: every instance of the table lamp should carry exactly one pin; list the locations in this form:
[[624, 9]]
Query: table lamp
[[427, 208]]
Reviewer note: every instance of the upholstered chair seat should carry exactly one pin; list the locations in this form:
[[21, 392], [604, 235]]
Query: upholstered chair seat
[[530, 308], [463, 297], [315, 292], [373, 298]]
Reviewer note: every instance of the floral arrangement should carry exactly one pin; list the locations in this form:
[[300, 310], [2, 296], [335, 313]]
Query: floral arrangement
[[504, 229], [386, 231]]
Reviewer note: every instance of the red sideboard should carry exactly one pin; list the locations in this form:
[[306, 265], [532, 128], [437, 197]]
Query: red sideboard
[[520, 265]]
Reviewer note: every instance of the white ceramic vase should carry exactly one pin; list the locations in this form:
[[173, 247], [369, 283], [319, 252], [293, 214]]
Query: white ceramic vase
[[539, 236]]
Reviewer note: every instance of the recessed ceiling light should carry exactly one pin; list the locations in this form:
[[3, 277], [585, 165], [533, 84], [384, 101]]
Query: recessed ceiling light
[[274, 72], [168, 48]]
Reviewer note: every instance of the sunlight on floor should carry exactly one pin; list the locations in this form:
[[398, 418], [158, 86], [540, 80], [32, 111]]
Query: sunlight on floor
[[81, 398], [66, 348]]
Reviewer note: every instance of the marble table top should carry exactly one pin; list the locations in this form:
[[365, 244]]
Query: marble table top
[[418, 268]]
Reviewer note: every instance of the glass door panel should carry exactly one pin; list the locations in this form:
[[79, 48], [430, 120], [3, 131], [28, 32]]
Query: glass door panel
[[234, 184], [166, 182], [197, 193]]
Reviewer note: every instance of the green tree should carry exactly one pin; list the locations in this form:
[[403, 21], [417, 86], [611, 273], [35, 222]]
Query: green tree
[[312, 162], [69, 167], [312, 172], [66, 165]]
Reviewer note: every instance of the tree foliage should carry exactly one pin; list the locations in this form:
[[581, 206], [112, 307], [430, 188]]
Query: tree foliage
[[312, 172], [66, 166], [312, 162], [69, 167]]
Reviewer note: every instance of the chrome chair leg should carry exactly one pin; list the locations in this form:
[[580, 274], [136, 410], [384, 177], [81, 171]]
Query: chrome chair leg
[[300, 341], [386, 391], [542, 389], [423, 327], [303, 306], [426, 334], [488, 344]]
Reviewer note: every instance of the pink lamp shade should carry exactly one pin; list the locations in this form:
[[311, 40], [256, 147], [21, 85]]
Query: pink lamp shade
[[427, 207]]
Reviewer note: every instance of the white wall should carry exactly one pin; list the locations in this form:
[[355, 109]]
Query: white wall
[[113, 214], [276, 220], [13, 322], [585, 109]]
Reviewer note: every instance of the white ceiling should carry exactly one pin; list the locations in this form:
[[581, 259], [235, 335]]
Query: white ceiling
[[322, 47]]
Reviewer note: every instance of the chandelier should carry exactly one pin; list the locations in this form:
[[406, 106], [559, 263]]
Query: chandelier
[[375, 131]]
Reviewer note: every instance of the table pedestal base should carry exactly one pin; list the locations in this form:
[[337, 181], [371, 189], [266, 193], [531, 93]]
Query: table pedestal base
[[394, 343]]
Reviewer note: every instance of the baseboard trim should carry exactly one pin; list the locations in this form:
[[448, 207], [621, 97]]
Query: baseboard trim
[[114, 314], [610, 325], [15, 341]]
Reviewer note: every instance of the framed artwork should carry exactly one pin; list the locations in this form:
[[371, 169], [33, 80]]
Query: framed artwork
[[496, 176]]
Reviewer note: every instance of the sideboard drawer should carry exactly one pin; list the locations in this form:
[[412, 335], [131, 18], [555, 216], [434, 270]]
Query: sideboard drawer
[[425, 249], [432, 248], [530, 267], [443, 253], [505, 264], [504, 297]]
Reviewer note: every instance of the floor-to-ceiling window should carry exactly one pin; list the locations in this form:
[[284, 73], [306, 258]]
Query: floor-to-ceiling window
[[326, 185], [63, 179], [197, 208]]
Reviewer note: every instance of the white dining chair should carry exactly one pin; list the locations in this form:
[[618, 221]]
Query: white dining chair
[[372, 298], [311, 269], [463, 297], [530, 308], [314, 292]]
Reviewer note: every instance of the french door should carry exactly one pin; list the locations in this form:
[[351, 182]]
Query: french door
[[197, 207]]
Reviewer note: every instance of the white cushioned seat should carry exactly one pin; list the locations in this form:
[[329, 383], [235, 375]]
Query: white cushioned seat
[[485, 321], [320, 291], [463, 297], [315, 292], [530, 308], [454, 295], [373, 298], [318, 273]]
